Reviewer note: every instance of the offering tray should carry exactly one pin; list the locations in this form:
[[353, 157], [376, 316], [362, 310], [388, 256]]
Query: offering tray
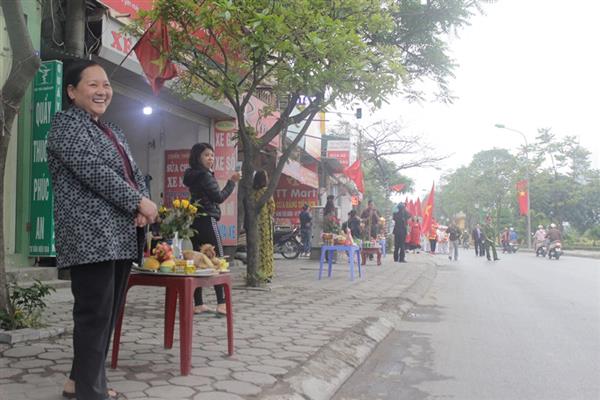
[[199, 272]]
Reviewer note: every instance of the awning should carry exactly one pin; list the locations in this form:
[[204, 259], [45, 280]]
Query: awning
[[302, 174]]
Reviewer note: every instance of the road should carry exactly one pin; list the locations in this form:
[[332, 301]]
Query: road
[[522, 328]]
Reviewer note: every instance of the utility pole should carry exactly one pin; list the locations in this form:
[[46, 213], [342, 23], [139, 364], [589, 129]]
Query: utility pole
[[527, 175], [75, 28]]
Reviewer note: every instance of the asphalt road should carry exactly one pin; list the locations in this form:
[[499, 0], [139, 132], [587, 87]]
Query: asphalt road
[[522, 328]]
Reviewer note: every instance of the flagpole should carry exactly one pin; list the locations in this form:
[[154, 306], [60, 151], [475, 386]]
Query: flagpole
[[132, 49]]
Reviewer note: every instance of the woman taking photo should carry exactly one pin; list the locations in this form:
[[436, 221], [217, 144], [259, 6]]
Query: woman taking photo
[[100, 197], [204, 190]]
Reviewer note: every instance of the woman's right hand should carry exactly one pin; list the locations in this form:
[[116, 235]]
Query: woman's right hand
[[148, 209], [236, 177]]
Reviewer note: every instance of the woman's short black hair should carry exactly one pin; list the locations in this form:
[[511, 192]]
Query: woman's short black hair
[[72, 75], [260, 180], [197, 150]]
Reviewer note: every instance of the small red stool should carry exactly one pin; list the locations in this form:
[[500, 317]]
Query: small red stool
[[182, 287], [370, 250]]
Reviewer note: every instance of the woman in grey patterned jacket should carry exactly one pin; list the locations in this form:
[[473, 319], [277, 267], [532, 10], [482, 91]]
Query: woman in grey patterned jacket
[[100, 197]]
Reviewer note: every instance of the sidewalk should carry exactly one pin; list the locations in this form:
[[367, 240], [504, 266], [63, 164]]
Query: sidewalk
[[299, 340]]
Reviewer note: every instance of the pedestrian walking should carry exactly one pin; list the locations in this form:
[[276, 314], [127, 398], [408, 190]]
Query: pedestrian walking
[[265, 226], [490, 239], [414, 236], [432, 236], [454, 234], [478, 240], [305, 229], [204, 190], [100, 197]]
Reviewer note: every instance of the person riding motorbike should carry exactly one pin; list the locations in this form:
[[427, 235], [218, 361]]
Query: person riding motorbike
[[539, 237]]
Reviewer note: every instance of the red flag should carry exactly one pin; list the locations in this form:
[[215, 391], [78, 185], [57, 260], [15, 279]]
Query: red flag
[[522, 196], [355, 173], [428, 211], [411, 207], [398, 187], [418, 211], [152, 51]]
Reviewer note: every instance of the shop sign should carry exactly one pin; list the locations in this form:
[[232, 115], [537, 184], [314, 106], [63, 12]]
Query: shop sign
[[261, 123], [131, 7], [289, 197], [47, 100], [225, 162], [176, 162], [340, 150]]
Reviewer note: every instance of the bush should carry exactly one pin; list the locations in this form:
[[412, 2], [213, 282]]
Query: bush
[[25, 306]]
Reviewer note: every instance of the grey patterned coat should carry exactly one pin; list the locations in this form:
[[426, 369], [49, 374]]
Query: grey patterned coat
[[94, 206]]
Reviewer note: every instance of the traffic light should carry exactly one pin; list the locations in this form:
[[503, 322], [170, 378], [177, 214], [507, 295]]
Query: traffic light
[[358, 113]]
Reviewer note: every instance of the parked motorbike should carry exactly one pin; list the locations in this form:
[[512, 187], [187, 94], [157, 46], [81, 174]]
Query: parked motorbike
[[554, 250], [287, 242]]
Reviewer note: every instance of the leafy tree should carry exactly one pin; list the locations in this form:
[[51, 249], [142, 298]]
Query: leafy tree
[[329, 51], [25, 63]]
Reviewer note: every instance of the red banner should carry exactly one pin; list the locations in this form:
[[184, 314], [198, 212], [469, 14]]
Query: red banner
[[289, 197], [176, 162], [224, 166], [522, 196]]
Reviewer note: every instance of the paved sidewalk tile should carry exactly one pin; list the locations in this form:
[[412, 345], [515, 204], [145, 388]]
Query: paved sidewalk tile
[[298, 321]]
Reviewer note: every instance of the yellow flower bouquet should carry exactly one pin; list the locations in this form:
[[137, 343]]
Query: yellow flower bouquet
[[178, 219]]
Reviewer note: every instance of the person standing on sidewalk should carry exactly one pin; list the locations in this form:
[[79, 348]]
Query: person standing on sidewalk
[[265, 226], [100, 197], [204, 190], [490, 239], [305, 229], [401, 217], [454, 233]]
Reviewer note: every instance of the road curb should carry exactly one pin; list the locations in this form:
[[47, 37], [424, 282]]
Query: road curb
[[320, 377]]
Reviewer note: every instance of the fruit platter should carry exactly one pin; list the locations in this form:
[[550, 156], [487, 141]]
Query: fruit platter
[[196, 263]]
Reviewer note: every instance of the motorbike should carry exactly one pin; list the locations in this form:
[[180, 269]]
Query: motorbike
[[541, 250], [554, 250], [512, 247], [287, 242]]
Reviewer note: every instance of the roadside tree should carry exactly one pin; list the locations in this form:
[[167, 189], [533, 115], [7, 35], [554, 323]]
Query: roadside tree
[[326, 52]]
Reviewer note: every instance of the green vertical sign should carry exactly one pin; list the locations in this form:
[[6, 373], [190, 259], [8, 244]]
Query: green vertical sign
[[47, 100]]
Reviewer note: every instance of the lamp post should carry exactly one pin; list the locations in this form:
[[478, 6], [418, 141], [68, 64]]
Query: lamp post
[[502, 126]]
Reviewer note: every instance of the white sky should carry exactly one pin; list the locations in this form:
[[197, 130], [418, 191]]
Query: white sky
[[527, 64]]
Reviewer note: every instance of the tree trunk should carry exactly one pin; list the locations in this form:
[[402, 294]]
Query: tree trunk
[[25, 63], [251, 216]]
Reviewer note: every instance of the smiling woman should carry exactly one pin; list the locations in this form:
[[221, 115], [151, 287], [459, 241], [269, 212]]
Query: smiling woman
[[92, 93], [100, 196]]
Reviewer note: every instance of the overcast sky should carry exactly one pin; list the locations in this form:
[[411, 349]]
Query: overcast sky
[[527, 64]]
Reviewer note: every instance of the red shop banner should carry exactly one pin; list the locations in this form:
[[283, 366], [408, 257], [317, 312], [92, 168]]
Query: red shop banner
[[176, 162], [290, 196], [225, 161]]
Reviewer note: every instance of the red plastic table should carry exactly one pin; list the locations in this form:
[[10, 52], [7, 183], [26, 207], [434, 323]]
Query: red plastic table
[[182, 287]]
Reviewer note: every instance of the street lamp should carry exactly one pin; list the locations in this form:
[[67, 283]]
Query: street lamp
[[502, 126]]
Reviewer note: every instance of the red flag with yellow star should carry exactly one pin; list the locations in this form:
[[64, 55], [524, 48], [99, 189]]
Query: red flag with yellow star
[[428, 212], [152, 52], [522, 196]]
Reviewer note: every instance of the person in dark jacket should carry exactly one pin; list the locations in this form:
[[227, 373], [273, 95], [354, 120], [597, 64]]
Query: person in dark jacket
[[100, 197], [305, 229], [401, 217], [353, 223], [478, 240], [205, 191]]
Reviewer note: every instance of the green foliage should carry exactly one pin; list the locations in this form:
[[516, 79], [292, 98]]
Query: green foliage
[[25, 306], [563, 188]]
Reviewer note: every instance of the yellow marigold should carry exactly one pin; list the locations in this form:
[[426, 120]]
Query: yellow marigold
[[176, 203], [185, 203], [162, 209], [193, 209]]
